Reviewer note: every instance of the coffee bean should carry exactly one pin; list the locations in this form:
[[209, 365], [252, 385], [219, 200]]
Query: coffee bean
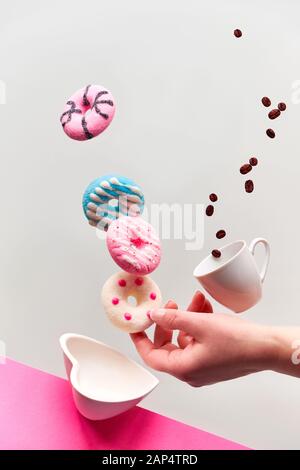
[[270, 133], [249, 186], [274, 113], [216, 253], [282, 106], [245, 168], [253, 161], [213, 197], [221, 234], [238, 33], [210, 210], [266, 101]]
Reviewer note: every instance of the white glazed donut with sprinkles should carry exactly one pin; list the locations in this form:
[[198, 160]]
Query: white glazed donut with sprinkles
[[124, 315]]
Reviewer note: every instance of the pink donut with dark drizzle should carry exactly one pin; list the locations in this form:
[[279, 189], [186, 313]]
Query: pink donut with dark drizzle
[[88, 112], [134, 245], [116, 293]]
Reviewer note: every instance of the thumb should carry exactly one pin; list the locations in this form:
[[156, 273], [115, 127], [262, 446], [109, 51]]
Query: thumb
[[170, 319]]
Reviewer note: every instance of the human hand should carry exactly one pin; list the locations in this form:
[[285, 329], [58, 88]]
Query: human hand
[[163, 336], [210, 349]]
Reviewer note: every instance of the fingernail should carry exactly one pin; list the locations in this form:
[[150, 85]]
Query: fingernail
[[157, 314]]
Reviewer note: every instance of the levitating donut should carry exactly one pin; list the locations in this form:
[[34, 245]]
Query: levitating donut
[[134, 245], [108, 197], [123, 314], [88, 112]]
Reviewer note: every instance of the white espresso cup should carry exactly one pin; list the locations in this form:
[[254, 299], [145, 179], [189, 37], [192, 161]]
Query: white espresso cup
[[234, 279]]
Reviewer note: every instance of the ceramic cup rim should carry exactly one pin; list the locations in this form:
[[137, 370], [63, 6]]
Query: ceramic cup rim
[[224, 265]]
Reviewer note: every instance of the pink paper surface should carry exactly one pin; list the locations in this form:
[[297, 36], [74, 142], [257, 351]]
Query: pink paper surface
[[37, 412]]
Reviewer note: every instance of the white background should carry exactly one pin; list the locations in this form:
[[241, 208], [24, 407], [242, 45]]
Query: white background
[[188, 114]]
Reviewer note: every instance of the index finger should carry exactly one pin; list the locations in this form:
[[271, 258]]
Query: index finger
[[162, 336]]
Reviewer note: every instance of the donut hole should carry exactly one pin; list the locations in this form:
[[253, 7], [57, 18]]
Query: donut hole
[[88, 111], [131, 299], [138, 242]]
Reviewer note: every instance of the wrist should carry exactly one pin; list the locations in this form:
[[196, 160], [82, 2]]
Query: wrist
[[267, 351], [273, 347]]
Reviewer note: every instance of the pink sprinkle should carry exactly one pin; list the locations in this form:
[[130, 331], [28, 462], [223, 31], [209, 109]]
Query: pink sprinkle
[[152, 296], [115, 301], [139, 281], [127, 316], [122, 283]]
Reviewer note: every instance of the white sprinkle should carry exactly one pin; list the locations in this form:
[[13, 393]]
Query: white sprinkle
[[93, 207], [95, 198], [105, 184]]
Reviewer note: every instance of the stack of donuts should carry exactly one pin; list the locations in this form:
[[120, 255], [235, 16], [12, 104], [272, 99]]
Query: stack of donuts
[[114, 204]]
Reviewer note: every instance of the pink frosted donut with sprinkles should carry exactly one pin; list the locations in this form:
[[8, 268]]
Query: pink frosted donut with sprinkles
[[115, 296], [134, 245], [88, 112]]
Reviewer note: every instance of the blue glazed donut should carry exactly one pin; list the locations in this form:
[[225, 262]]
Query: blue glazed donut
[[108, 197]]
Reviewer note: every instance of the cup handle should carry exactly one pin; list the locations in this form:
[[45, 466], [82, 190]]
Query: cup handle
[[252, 247]]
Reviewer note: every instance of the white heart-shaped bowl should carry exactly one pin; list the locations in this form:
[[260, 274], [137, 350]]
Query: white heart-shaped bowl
[[105, 383]]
